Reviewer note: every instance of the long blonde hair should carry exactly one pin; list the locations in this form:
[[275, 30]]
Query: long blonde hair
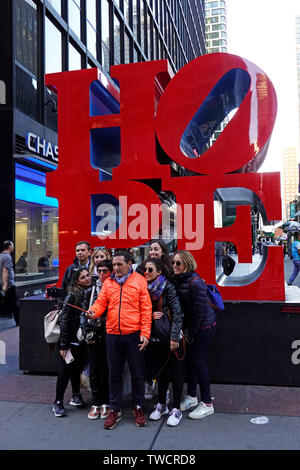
[[95, 251]]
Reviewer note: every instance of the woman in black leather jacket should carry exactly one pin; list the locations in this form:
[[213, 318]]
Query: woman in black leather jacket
[[94, 333], [68, 342], [199, 327], [165, 302]]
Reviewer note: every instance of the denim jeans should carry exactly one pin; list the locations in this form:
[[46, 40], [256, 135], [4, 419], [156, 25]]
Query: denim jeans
[[196, 364], [295, 272]]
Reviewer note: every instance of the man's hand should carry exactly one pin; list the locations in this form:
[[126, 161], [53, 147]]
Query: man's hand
[[90, 314], [143, 342]]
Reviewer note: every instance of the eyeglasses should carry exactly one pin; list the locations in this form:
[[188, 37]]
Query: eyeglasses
[[177, 263], [103, 271], [148, 270]]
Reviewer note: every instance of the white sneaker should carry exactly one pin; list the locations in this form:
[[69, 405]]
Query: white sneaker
[[148, 391], [174, 417], [188, 402], [158, 412], [201, 411]]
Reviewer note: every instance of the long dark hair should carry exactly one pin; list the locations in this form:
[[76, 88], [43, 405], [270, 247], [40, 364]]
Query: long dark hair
[[74, 287], [165, 257]]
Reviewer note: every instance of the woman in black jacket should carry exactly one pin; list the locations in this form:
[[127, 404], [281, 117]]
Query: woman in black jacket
[[199, 327], [165, 302], [68, 342], [94, 333]]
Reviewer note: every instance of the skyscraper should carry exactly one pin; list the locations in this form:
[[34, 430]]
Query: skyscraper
[[290, 178], [215, 26]]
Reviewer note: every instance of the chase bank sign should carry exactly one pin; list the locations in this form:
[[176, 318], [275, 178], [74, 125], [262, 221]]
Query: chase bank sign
[[41, 146]]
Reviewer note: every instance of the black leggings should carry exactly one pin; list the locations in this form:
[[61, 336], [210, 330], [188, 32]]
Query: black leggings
[[171, 372], [70, 372]]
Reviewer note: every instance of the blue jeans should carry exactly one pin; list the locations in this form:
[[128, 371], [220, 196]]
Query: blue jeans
[[295, 272], [196, 364]]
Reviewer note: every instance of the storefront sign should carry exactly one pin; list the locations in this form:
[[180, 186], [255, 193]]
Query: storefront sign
[[204, 91], [41, 146]]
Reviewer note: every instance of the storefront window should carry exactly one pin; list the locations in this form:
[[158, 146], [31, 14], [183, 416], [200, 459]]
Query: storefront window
[[36, 230]]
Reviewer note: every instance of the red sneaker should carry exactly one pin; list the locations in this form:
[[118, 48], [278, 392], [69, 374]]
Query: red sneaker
[[112, 419], [139, 416]]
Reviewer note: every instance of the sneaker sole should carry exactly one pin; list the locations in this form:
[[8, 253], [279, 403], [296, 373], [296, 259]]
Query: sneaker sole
[[161, 415], [75, 404], [93, 417], [111, 427], [140, 425], [202, 416]]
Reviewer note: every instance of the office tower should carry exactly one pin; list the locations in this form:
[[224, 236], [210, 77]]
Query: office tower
[[290, 178], [215, 26]]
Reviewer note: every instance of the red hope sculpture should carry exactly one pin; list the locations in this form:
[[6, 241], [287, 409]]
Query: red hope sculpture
[[144, 115]]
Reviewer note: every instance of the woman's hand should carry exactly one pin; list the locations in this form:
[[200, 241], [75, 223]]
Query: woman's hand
[[174, 345], [63, 353], [157, 315]]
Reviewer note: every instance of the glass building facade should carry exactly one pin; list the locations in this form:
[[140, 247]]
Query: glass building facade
[[48, 36]]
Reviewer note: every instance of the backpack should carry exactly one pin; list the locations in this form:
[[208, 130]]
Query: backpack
[[214, 297], [51, 326]]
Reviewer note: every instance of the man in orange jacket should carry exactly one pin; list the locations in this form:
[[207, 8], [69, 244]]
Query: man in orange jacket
[[128, 325]]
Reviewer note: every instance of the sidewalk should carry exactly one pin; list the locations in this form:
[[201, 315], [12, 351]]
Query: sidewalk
[[28, 423]]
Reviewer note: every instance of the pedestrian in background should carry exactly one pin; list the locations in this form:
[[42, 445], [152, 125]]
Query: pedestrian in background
[[199, 328], [10, 303], [69, 343], [296, 258]]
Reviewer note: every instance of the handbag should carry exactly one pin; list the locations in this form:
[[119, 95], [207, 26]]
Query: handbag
[[228, 265], [161, 328], [51, 326]]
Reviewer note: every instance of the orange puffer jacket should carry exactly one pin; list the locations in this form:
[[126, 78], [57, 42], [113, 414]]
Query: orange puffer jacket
[[129, 306]]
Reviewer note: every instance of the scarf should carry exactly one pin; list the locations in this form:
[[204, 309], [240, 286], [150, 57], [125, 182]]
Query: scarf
[[156, 287], [123, 279]]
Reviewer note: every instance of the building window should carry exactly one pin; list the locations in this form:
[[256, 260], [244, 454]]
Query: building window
[[74, 16], [74, 58], [91, 39], [117, 41], [36, 229], [53, 48], [56, 4], [26, 35]]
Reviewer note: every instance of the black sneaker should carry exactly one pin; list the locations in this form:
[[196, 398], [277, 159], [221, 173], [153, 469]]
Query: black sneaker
[[77, 400], [58, 409]]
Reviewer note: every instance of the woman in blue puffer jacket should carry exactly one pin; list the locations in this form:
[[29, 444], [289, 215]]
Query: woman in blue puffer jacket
[[199, 328]]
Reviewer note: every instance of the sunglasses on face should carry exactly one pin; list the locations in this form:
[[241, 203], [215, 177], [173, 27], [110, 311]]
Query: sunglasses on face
[[148, 270], [177, 263]]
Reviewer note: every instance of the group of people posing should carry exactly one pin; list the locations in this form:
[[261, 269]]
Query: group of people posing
[[111, 308]]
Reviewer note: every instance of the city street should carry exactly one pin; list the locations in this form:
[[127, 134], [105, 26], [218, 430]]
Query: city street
[[27, 421]]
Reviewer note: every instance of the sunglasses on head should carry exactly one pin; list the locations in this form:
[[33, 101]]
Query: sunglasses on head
[[177, 263], [148, 270]]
